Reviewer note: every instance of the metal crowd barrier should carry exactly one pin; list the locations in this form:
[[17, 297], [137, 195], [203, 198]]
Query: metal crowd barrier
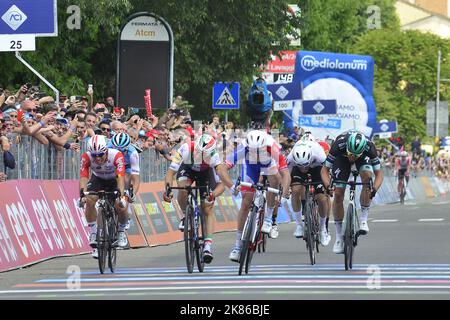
[[37, 161]]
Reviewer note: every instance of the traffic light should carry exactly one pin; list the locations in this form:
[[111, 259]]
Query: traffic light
[[398, 141]]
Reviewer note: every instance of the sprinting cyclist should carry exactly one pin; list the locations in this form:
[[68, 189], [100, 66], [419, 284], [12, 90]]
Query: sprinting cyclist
[[402, 167], [108, 173], [122, 142], [198, 161], [260, 155], [350, 148], [306, 158]]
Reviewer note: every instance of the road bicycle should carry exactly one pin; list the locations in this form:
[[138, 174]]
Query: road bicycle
[[312, 219], [252, 235], [350, 225], [194, 228], [107, 230]]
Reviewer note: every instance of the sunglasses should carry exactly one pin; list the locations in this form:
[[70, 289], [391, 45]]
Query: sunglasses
[[13, 116], [352, 154], [98, 155], [105, 129], [80, 127]]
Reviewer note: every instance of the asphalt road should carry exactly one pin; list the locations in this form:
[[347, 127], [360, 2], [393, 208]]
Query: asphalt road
[[405, 256]]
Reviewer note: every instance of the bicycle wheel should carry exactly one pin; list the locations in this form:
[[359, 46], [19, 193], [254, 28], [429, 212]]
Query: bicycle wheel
[[348, 237], [257, 238], [264, 242], [112, 250], [102, 243], [248, 231], [189, 242], [316, 224], [199, 241], [310, 241]]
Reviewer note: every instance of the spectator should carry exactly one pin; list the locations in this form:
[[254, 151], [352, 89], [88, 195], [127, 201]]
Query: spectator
[[105, 129], [415, 146]]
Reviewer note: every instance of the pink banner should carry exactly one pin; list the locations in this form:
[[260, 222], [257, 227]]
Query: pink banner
[[37, 222]]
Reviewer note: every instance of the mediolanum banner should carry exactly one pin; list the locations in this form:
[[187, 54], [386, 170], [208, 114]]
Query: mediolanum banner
[[346, 78]]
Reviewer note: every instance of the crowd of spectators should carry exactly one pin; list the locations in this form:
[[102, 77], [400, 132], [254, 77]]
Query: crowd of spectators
[[69, 123], [422, 162]]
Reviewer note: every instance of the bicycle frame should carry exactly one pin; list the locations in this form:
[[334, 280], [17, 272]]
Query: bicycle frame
[[351, 220], [251, 234], [107, 230], [193, 241]]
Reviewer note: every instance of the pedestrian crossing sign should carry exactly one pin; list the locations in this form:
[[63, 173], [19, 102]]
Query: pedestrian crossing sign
[[226, 95]]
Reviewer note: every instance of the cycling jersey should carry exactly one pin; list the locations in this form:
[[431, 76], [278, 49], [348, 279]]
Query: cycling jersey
[[268, 156], [325, 146], [265, 161], [403, 164], [184, 155], [113, 167], [131, 156], [339, 149]]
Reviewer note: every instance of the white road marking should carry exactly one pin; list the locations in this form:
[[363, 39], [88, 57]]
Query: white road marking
[[386, 220], [431, 220]]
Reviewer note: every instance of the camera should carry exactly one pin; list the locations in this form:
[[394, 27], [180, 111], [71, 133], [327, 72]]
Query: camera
[[258, 98]]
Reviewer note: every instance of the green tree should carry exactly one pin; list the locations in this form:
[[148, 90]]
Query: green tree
[[221, 41], [335, 25], [76, 57], [405, 75]]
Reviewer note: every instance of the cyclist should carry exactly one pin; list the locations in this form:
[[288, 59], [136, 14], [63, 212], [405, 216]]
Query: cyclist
[[108, 173], [402, 166], [308, 158], [261, 156], [351, 147], [122, 142], [199, 161]]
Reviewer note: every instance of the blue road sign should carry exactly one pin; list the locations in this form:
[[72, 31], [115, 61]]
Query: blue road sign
[[29, 17], [226, 95], [385, 127], [316, 107], [285, 91]]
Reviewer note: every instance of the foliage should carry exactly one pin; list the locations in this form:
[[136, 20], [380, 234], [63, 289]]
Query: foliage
[[405, 75]]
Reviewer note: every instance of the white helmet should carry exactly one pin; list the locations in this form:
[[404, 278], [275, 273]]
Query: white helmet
[[97, 144], [301, 154], [403, 154], [205, 144], [307, 136], [256, 139]]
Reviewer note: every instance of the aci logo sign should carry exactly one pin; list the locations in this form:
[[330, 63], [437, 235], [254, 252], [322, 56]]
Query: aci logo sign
[[14, 17], [310, 63]]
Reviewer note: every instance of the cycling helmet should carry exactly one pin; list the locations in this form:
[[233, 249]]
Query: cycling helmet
[[403, 154], [307, 136], [301, 154], [356, 143], [97, 144], [121, 140], [205, 144], [256, 139]]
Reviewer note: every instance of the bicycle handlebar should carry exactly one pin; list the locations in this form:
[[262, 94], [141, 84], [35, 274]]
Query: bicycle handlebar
[[101, 193], [260, 187]]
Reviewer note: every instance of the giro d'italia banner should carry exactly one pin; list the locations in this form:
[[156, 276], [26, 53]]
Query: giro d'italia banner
[[346, 78]]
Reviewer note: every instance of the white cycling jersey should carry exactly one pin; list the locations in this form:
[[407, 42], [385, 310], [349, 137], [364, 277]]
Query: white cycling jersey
[[183, 156]]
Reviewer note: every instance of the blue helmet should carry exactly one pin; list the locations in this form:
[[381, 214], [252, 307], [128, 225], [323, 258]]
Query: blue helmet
[[121, 140]]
